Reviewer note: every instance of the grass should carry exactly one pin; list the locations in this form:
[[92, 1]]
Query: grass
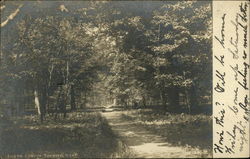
[[80, 135], [178, 129]]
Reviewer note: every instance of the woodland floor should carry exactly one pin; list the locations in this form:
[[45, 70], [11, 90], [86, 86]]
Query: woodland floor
[[116, 134], [80, 135], [145, 143]]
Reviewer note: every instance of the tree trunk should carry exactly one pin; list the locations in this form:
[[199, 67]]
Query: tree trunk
[[40, 103], [43, 102], [174, 98], [58, 101], [72, 98], [17, 102], [187, 101], [114, 101], [37, 102], [144, 101], [81, 101], [49, 88], [193, 99], [83, 104], [163, 97]]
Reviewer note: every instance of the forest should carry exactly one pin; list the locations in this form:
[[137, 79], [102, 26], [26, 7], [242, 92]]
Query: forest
[[61, 61]]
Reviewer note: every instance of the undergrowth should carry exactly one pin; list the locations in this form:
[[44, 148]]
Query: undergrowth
[[79, 135], [178, 129]]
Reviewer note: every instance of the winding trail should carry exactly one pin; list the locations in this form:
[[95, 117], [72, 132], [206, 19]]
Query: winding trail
[[143, 143]]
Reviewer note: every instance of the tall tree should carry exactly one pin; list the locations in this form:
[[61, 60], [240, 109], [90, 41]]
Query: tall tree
[[182, 38]]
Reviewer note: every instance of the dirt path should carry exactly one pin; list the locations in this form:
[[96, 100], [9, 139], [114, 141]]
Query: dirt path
[[145, 144]]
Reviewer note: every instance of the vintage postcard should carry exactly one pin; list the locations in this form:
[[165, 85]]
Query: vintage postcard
[[124, 79]]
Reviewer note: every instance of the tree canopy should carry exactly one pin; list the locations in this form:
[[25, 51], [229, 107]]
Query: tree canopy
[[58, 55]]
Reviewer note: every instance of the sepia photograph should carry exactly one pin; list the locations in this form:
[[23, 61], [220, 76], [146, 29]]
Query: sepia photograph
[[106, 79]]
